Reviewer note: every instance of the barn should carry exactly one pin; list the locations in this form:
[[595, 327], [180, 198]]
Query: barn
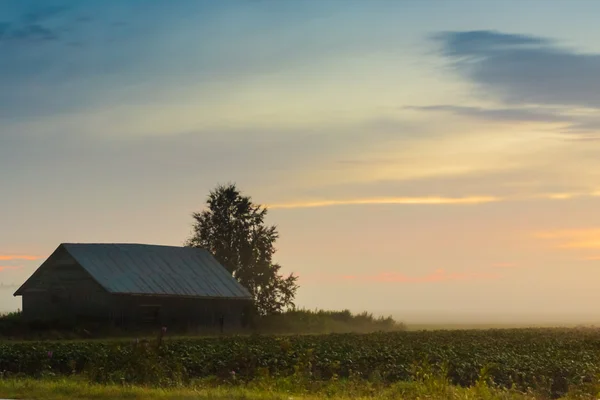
[[132, 284]]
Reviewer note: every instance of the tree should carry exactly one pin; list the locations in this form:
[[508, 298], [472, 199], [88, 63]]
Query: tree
[[233, 229]]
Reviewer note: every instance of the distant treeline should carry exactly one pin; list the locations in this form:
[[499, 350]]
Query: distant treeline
[[323, 321], [8, 286]]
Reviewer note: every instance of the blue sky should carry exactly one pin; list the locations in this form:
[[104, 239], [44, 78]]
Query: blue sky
[[423, 153]]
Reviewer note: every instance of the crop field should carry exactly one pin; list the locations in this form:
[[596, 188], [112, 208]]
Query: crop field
[[550, 361]]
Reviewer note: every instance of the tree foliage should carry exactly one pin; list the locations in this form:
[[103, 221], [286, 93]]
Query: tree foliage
[[233, 229]]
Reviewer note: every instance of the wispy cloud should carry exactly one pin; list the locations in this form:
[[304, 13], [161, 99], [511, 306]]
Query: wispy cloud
[[9, 257], [573, 238], [390, 200], [32, 27], [432, 200], [564, 195], [439, 275], [521, 114], [561, 196], [10, 267], [559, 119]]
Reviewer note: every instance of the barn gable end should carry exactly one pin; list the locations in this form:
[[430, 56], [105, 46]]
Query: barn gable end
[[62, 289]]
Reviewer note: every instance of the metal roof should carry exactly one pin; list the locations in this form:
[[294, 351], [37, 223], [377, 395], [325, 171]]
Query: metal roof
[[156, 270]]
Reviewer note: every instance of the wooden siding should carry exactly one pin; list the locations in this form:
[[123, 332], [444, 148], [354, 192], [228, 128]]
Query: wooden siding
[[157, 310], [61, 289]]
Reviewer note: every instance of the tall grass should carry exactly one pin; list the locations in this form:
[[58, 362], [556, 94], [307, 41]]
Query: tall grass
[[434, 387], [11, 322]]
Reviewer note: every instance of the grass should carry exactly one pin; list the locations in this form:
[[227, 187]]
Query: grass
[[431, 389], [59, 390]]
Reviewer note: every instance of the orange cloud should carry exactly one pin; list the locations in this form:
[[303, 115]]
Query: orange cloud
[[18, 257], [563, 196], [431, 200], [440, 275], [591, 258], [573, 238], [389, 200], [7, 267], [567, 195]]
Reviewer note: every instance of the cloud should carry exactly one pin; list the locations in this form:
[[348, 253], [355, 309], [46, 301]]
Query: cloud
[[561, 196], [33, 26], [388, 200], [564, 195], [569, 123], [543, 115], [31, 33], [538, 179], [9, 257], [524, 69], [10, 267], [432, 200], [43, 13], [439, 275], [471, 43], [585, 125], [588, 238]]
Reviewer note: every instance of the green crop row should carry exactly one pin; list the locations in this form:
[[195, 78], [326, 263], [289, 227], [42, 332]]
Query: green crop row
[[552, 359]]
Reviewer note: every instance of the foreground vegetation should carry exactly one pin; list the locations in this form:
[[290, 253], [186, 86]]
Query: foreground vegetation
[[550, 362], [428, 387]]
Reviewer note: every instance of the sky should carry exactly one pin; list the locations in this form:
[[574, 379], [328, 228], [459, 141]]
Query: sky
[[419, 158]]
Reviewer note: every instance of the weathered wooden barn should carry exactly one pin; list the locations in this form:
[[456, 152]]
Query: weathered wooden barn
[[132, 284]]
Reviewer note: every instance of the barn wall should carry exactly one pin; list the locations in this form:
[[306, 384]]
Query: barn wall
[[61, 289], [165, 311]]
